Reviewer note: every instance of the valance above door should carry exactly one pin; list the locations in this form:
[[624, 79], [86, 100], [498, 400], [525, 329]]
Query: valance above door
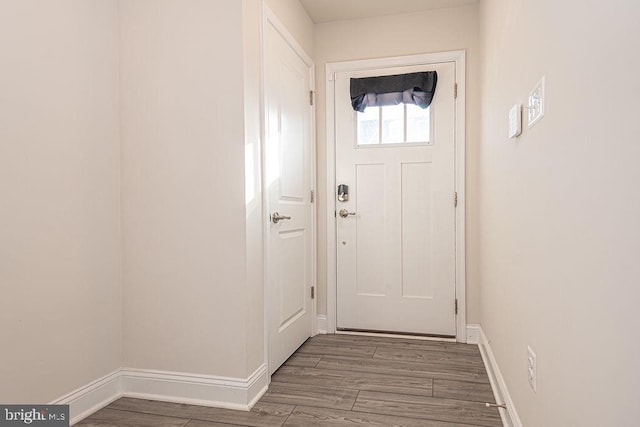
[[410, 88]]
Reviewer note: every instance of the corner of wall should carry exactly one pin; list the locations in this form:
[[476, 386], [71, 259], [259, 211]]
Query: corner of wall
[[218, 392], [509, 415], [253, 134]]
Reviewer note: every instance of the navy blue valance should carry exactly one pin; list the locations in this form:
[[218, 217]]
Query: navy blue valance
[[411, 88]]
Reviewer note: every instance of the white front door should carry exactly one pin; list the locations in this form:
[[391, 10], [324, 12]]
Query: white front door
[[288, 185], [396, 237]]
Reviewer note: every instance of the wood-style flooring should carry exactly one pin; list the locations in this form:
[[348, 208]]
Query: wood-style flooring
[[345, 380]]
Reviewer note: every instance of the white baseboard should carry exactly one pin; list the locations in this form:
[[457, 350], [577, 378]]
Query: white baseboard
[[475, 335], [204, 390], [321, 324], [92, 397]]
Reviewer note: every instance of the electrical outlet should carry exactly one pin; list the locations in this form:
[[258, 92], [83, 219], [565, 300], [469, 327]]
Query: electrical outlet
[[532, 370]]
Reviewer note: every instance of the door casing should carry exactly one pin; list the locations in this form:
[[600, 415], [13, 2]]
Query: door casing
[[458, 57]]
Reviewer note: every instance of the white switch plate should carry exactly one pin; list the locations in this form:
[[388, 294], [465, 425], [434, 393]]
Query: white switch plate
[[532, 369], [535, 103], [515, 121]]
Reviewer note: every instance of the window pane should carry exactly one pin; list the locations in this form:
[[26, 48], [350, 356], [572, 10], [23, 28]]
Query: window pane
[[393, 124], [369, 126], [418, 124]]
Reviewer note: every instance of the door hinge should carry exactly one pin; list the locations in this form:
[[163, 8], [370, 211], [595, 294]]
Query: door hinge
[[456, 305], [311, 96], [455, 90], [455, 199], [313, 292], [313, 196]]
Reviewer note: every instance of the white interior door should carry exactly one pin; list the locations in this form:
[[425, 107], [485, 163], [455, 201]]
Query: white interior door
[[288, 183], [396, 245]]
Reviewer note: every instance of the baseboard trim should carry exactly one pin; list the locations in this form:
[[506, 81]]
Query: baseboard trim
[[203, 390], [321, 323], [92, 397], [257, 385], [475, 335]]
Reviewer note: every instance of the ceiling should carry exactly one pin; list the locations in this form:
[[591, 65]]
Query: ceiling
[[339, 10]]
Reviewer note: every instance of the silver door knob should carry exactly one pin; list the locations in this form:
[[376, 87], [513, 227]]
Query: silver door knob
[[276, 217], [345, 213]]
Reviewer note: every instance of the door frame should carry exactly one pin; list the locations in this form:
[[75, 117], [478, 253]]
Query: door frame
[[269, 18], [457, 57]]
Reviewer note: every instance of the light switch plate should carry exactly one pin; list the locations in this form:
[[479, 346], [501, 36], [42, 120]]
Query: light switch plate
[[535, 103], [515, 121]]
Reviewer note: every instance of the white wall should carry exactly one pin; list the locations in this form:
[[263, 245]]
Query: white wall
[[60, 290], [186, 297], [295, 18], [396, 35], [560, 206]]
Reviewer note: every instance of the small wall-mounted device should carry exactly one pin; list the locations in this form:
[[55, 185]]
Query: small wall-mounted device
[[343, 193], [515, 121]]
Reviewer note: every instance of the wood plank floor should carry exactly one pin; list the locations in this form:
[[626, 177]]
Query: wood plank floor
[[345, 380]]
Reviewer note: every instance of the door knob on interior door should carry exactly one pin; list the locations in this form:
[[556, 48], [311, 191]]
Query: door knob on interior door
[[345, 213], [276, 217]]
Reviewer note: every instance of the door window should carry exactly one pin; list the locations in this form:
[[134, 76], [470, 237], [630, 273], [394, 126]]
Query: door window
[[393, 124]]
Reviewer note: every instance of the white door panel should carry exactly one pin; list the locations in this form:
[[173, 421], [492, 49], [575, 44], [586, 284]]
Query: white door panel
[[396, 255], [288, 182]]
